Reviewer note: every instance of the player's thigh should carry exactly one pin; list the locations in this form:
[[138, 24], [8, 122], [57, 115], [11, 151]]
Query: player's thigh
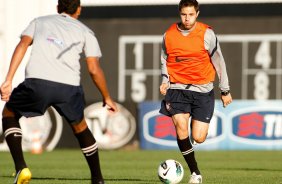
[[71, 104], [203, 106], [199, 130], [181, 122], [28, 98], [176, 101]]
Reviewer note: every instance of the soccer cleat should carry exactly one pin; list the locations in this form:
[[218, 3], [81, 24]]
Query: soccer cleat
[[195, 178], [23, 176]]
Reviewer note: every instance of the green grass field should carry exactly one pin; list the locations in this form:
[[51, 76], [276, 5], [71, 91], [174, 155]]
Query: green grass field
[[140, 167]]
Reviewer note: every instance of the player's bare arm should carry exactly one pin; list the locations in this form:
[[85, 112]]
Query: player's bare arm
[[20, 50], [99, 79]]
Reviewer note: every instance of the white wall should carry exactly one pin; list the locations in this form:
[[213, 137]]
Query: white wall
[[15, 15], [166, 2]]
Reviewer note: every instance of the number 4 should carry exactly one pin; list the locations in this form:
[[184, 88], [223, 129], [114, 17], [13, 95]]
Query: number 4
[[263, 57]]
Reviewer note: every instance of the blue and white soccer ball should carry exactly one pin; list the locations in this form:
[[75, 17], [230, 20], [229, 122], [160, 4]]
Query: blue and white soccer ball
[[170, 172]]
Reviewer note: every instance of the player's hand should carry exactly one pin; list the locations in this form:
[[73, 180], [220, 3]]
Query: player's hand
[[110, 105], [6, 90], [226, 100], [163, 88]]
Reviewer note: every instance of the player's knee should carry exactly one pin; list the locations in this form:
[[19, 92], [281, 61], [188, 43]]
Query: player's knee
[[200, 138], [6, 113], [79, 127]]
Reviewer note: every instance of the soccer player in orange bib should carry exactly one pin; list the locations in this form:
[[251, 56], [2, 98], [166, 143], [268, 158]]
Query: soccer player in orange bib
[[191, 56]]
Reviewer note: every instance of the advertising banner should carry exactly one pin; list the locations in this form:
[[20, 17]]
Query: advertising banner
[[245, 124], [111, 130], [45, 133]]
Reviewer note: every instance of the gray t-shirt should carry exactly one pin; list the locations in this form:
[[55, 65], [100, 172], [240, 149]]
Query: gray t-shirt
[[58, 42]]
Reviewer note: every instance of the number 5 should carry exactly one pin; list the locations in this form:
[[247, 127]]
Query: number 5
[[138, 88]]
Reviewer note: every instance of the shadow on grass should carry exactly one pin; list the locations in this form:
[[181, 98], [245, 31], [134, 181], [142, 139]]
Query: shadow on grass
[[249, 169], [87, 179]]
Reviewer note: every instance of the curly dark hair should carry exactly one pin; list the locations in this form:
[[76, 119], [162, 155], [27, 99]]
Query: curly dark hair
[[68, 6], [185, 3]]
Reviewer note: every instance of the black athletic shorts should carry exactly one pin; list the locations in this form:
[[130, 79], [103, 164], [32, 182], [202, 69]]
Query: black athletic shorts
[[199, 105], [33, 96]]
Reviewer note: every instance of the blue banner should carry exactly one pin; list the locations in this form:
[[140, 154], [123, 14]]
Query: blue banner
[[244, 124]]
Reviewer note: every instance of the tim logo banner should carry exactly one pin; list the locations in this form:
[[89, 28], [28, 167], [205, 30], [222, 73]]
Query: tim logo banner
[[243, 125], [258, 127]]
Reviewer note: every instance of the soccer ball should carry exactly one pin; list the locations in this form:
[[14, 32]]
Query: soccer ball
[[170, 172]]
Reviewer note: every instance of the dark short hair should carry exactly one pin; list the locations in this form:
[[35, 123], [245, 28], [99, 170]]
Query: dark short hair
[[68, 6], [185, 3]]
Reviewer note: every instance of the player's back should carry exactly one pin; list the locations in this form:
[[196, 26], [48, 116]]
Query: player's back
[[58, 41]]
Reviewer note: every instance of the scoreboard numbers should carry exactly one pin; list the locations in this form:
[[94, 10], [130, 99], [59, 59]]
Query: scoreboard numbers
[[258, 56]]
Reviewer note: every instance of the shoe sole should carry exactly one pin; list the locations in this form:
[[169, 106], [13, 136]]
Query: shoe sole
[[24, 181]]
